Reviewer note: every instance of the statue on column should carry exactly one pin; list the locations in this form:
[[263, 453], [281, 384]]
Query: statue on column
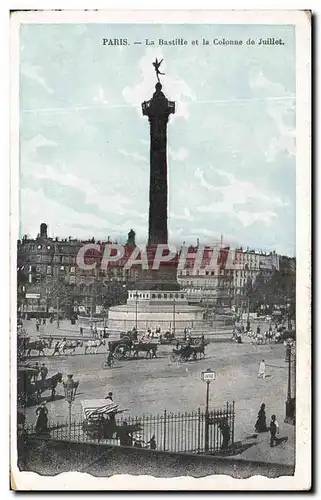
[[156, 65]]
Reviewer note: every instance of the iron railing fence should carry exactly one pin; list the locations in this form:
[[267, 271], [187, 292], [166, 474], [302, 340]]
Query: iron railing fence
[[173, 432]]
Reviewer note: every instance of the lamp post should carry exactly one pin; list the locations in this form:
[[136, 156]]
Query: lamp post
[[70, 388], [208, 376], [290, 402], [174, 312], [136, 309]]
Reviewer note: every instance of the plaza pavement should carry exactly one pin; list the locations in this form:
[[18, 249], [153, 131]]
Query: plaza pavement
[[150, 386]]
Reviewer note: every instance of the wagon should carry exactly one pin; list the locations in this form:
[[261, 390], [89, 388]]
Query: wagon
[[26, 390], [124, 349], [120, 349], [183, 352], [99, 419]]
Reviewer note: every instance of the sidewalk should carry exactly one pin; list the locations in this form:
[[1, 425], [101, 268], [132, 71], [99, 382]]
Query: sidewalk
[[283, 453]]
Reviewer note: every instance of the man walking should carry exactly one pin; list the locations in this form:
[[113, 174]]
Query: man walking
[[274, 430]]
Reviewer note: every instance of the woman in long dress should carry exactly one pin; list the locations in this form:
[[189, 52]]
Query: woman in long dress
[[42, 420], [260, 425]]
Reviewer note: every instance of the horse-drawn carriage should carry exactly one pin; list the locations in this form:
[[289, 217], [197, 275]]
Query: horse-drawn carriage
[[168, 338], [29, 389], [183, 352], [126, 348], [129, 335], [99, 420]]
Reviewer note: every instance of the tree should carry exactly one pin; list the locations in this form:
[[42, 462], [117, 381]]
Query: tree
[[276, 290], [60, 295]]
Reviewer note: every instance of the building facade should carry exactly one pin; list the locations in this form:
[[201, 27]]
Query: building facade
[[50, 280]]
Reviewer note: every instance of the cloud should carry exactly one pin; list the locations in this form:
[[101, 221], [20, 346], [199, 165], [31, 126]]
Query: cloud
[[180, 155], [32, 145], [135, 156], [186, 215], [173, 87], [238, 192], [279, 110], [101, 97], [249, 218], [34, 73], [54, 213]]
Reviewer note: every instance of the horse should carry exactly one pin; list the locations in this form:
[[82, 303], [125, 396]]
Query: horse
[[71, 346], [92, 345], [199, 349], [149, 347], [49, 383], [37, 345]]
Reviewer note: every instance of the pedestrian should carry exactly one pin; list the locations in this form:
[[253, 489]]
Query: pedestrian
[[124, 435], [37, 325], [226, 434], [138, 440], [261, 373], [109, 396], [152, 442], [42, 420], [81, 330], [43, 371], [274, 430], [36, 372], [260, 425], [44, 321], [258, 330], [56, 348]]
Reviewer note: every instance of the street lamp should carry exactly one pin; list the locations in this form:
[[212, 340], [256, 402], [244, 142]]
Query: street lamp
[[136, 311], [70, 388], [174, 312], [290, 402], [208, 376]]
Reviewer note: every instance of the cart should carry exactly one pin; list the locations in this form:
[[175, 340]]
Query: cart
[[99, 419]]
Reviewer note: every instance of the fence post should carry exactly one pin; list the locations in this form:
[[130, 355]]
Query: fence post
[[199, 431], [164, 441]]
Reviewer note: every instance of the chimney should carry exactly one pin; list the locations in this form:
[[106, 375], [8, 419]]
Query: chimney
[[43, 230], [131, 238]]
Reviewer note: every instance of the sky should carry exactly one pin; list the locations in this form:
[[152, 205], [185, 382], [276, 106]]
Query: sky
[[84, 144]]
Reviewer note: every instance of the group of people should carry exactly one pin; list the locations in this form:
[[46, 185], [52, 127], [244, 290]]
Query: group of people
[[260, 425], [41, 371], [150, 335], [43, 322]]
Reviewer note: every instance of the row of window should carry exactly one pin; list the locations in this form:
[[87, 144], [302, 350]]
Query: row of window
[[157, 295]]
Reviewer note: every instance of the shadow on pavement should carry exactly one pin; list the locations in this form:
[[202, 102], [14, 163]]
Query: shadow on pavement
[[281, 440]]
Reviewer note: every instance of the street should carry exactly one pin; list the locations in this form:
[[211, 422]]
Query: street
[[150, 386]]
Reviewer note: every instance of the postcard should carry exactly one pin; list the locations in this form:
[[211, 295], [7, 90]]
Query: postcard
[[160, 250]]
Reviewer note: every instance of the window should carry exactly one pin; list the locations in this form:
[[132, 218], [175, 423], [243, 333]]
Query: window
[[159, 296], [153, 296], [176, 295], [72, 269], [182, 296], [165, 295], [170, 295], [48, 269]]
